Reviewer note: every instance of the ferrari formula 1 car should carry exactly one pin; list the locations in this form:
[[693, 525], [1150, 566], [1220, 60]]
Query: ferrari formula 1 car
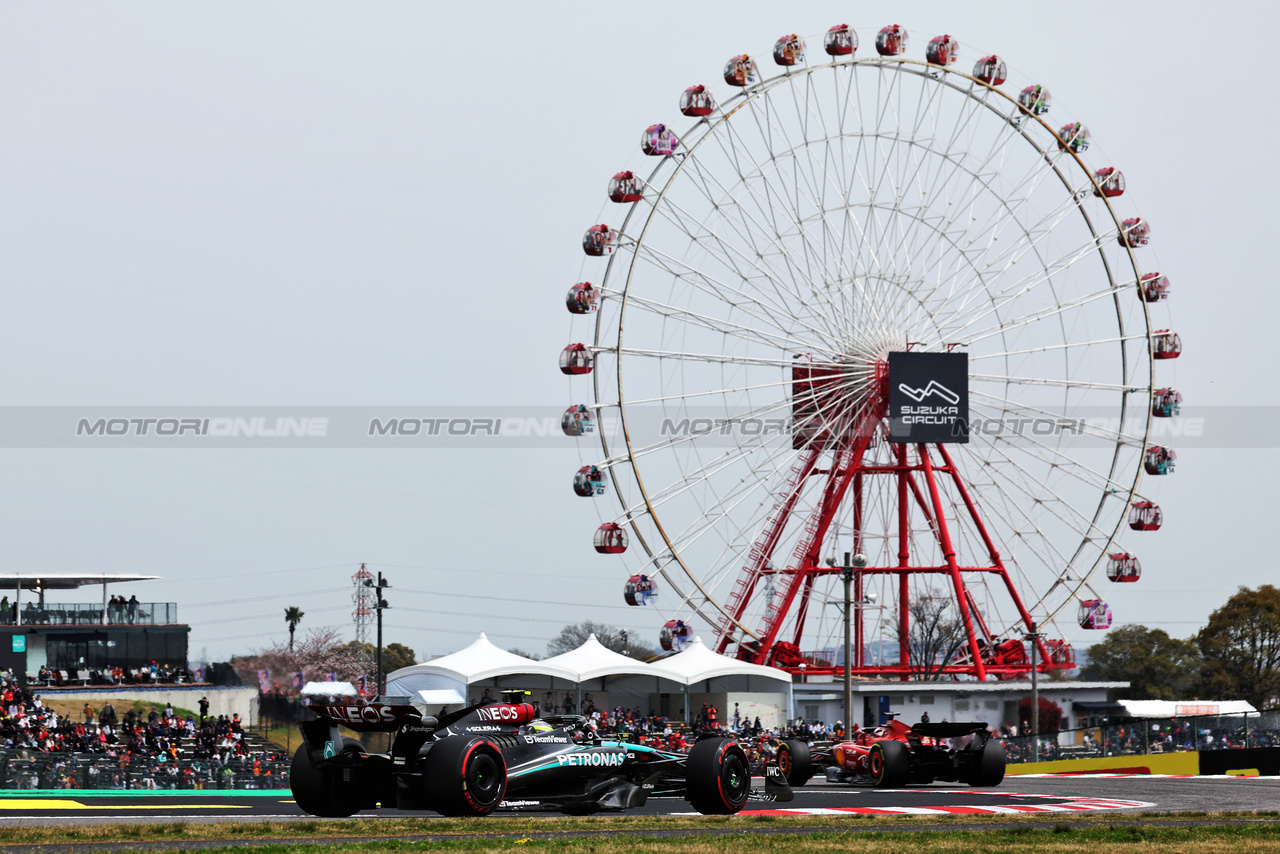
[[898, 755], [477, 759]]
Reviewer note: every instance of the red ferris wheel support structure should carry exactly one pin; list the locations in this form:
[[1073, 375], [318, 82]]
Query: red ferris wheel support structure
[[835, 433]]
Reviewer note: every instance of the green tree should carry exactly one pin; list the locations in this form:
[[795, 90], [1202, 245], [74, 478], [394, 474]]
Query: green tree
[[394, 655], [1156, 666], [293, 615], [610, 637], [1241, 648]]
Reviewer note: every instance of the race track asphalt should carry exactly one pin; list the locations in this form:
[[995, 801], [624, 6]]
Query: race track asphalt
[[1062, 796]]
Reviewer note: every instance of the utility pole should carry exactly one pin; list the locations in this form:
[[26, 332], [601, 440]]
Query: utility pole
[[380, 605], [859, 561], [1034, 637]]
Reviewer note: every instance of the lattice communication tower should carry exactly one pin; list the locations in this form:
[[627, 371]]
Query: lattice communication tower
[[364, 599]]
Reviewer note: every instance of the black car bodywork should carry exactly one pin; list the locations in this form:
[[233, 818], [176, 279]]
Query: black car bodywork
[[487, 757]]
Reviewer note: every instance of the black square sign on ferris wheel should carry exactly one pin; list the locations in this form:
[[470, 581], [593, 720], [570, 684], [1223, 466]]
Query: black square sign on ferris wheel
[[929, 397]]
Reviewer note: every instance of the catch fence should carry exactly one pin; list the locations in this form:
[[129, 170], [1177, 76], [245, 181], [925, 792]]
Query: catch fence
[[1147, 736], [33, 769]]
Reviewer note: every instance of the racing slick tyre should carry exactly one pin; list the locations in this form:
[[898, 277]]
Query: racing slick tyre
[[326, 792], [989, 769], [465, 776], [795, 761], [717, 777], [889, 764]]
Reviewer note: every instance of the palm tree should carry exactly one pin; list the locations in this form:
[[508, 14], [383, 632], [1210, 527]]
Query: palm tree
[[292, 615]]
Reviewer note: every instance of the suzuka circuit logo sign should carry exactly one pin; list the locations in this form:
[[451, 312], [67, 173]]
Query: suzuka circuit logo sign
[[929, 397]]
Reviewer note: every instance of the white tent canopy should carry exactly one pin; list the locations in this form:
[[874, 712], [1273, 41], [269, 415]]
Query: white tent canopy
[[613, 678], [593, 660], [698, 663], [477, 662]]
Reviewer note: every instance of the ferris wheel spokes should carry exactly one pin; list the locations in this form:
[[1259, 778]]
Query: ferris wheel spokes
[[767, 277]]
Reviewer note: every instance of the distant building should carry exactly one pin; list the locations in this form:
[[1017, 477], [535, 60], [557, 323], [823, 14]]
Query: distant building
[[85, 635], [994, 703]]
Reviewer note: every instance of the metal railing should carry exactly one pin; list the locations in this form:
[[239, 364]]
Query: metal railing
[[90, 614], [32, 769], [1148, 736]]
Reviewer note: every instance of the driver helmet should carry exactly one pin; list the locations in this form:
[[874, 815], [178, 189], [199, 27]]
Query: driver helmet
[[536, 726]]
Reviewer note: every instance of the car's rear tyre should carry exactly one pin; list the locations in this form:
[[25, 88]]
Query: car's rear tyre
[[717, 777], [989, 769], [465, 776], [889, 764], [330, 792], [795, 761]]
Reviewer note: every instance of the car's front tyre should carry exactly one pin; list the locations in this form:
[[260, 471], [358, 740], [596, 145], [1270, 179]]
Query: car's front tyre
[[717, 777]]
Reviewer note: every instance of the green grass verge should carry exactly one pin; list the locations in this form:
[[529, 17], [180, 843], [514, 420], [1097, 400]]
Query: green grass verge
[[1059, 839], [1140, 834], [74, 709]]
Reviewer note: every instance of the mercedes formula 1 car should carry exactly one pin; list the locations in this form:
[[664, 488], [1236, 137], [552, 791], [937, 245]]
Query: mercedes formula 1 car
[[499, 755], [898, 755]]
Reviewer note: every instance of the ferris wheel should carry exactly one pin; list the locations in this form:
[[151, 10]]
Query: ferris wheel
[[748, 297]]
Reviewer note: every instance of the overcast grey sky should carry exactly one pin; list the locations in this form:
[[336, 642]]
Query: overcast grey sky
[[379, 204]]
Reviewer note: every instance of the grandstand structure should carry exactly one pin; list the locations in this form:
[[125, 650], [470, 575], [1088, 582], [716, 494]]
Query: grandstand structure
[[76, 639]]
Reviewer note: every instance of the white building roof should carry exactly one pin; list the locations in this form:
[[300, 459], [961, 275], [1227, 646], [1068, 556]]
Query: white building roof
[[330, 689], [697, 663], [593, 660], [66, 580], [1185, 708]]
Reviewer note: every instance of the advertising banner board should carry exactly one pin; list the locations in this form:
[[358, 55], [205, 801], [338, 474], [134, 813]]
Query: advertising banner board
[[929, 397]]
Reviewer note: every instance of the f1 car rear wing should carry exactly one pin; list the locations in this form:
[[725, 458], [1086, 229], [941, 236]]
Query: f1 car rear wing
[[949, 729], [371, 717], [394, 713]]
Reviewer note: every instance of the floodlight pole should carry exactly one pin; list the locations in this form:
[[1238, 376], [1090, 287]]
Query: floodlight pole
[[379, 651], [846, 575], [1034, 637], [858, 561], [380, 605]]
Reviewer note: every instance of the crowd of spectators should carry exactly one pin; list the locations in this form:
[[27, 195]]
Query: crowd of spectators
[[120, 611], [153, 674], [1136, 736], [661, 732], [99, 748]]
